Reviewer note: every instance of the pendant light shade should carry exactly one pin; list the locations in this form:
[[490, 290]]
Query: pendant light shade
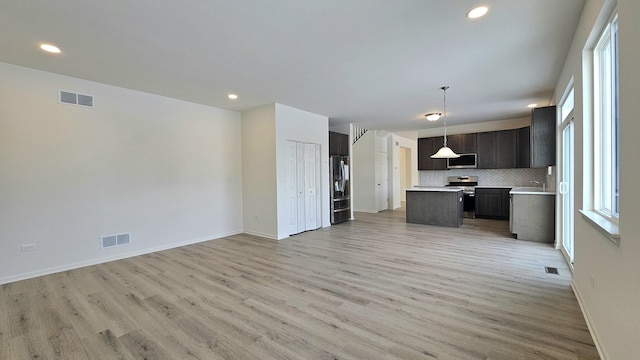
[[433, 116], [445, 152]]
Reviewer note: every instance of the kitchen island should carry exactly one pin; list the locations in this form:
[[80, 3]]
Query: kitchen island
[[439, 206], [533, 214]]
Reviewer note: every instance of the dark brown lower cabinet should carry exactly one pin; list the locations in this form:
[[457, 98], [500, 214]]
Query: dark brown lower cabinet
[[492, 203]]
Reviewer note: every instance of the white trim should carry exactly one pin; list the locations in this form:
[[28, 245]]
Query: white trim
[[370, 211], [592, 329], [567, 259], [261, 234], [80, 264], [610, 229]]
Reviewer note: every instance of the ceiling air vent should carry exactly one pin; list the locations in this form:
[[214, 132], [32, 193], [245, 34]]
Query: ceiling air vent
[[66, 97], [115, 240]]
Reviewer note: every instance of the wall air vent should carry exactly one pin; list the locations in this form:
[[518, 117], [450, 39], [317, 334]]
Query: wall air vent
[[85, 100], [551, 270], [66, 97], [123, 239], [115, 240]]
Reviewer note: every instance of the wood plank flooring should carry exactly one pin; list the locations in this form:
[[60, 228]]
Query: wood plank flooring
[[373, 288]]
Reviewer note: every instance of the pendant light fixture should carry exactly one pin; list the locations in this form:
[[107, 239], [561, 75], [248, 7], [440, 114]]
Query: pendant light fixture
[[445, 152]]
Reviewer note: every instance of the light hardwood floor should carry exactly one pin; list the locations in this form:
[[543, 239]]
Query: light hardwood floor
[[374, 288]]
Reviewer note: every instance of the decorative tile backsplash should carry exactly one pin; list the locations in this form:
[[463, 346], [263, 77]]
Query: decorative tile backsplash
[[507, 177]]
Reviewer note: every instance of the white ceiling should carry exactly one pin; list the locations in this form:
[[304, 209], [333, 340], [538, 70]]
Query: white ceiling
[[376, 63]]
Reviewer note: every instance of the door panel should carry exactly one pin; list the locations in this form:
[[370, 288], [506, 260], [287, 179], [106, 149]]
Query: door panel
[[310, 185], [292, 186], [382, 187], [567, 191], [300, 188], [318, 189]]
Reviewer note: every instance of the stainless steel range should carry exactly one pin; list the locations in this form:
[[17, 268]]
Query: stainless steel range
[[467, 184]]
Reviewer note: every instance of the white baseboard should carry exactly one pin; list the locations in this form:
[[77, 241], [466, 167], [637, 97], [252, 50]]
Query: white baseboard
[[370, 211], [101, 260], [592, 329], [260, 234]]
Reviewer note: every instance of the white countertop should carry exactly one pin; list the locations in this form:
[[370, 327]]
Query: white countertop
[[530, 191], [435, 188], [495, 186]]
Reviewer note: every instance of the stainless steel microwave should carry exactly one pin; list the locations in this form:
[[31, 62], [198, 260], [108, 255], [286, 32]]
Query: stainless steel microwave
[[465, 161]]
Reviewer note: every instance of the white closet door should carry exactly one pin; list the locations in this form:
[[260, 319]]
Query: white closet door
[[382, 181], [318, 188], [310, 184], [300, 187], [292, 186]]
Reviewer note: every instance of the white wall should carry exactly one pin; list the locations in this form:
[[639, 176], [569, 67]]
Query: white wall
[[406, 171], [302, 126], [259, 199], [393, 168], [611, 305], [342, 129], [363, 173], [165, 170]]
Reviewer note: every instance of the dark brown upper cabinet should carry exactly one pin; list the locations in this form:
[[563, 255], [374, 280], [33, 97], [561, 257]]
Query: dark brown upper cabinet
[[338, 144], [543, 136], [487, 150], [506, 149], [423, 148], [426, 148], [523, 151], [462, 143]]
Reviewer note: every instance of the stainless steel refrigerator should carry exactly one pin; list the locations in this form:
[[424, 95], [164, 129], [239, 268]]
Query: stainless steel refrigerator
[[340, 193]]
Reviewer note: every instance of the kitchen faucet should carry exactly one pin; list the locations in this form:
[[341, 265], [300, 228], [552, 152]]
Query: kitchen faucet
[[538, 182]]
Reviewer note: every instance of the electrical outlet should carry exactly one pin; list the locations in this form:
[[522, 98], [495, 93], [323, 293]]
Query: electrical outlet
[[256, 217], [593, 281], [28, 247]]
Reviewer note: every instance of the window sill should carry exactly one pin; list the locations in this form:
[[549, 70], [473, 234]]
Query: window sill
[[608, 228]]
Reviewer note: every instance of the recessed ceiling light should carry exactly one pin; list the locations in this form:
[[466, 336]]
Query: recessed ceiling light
[[433, 116], [532, 105], [477, 12], [232, 96], [50, 48]]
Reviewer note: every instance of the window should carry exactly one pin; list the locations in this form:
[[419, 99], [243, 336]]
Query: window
[[567, 106], [606, 133]]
